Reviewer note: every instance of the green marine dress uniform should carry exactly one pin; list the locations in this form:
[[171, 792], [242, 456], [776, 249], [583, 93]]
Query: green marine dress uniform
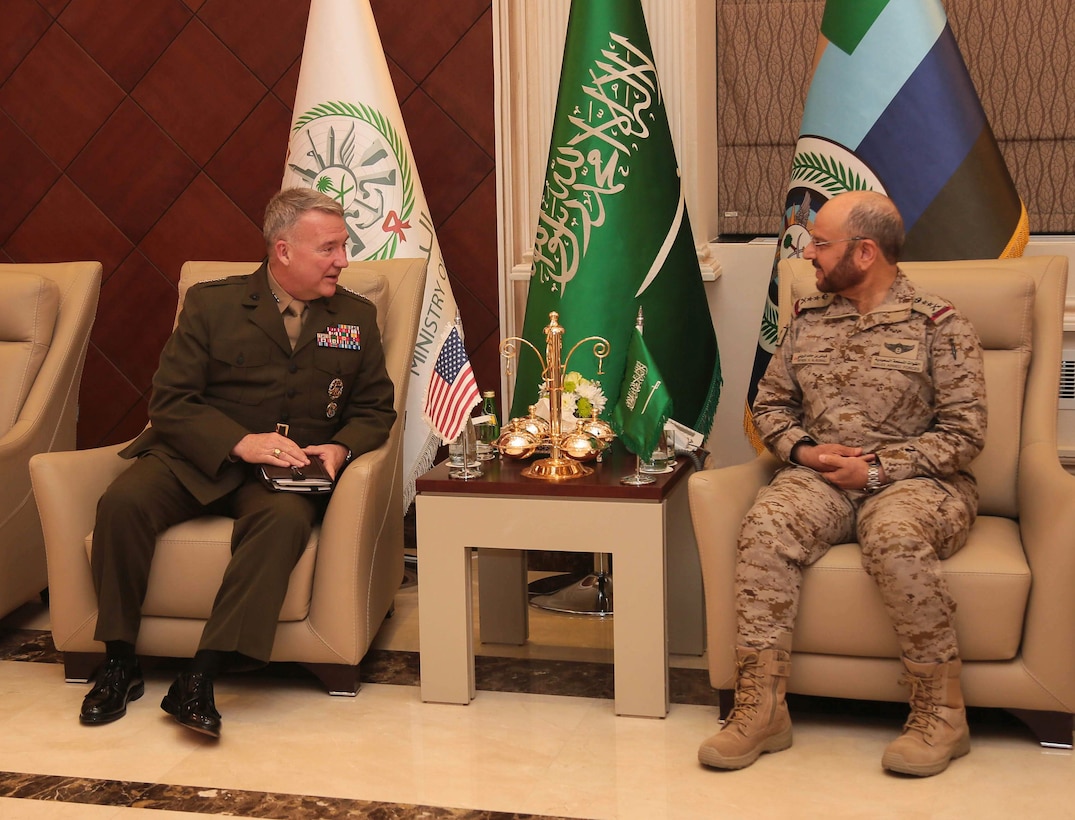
[[227, 370]]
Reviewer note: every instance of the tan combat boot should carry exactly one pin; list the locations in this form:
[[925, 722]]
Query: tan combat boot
[[936, 730], [759, 720]]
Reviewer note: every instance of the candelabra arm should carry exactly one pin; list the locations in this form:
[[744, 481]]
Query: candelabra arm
[[509, 351], [601, 350]]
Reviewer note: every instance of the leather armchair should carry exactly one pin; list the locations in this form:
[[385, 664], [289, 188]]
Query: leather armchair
[[1013, 581], [46, 314], [341, 589]]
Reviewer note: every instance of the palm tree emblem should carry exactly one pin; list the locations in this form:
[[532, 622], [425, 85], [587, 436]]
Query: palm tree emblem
[[339, 192]]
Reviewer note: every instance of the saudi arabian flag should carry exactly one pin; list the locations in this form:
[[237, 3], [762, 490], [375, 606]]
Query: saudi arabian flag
[[892, 108], [349, 142], [613, 233], [645, 403]]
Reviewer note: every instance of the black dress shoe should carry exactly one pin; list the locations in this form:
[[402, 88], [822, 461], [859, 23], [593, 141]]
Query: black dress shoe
[[118, 683], [190, 701]]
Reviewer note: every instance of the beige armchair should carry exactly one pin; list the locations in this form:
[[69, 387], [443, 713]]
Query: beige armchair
[[46, 314], [341, 589], [1013, 581]]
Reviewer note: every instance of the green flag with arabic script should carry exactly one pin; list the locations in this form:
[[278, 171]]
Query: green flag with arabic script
[[645, 403], [613, 233]]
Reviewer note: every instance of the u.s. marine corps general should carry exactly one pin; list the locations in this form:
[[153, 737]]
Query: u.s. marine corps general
[[875, 398], [277, 367]]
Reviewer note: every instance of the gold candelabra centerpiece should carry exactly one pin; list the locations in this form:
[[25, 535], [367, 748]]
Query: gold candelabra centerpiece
[[522, 437]]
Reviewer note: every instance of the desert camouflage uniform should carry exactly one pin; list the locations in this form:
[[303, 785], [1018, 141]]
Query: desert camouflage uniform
[[904, 382]]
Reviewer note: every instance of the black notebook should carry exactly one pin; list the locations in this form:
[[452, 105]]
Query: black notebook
[[313, 478]]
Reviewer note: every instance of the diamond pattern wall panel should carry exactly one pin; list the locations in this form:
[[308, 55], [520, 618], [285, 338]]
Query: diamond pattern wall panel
[[145, 133]]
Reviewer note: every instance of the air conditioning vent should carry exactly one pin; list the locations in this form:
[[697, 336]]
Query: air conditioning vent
[[1067, 382]]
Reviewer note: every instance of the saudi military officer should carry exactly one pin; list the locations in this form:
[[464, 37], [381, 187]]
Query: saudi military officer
[[875, 398]]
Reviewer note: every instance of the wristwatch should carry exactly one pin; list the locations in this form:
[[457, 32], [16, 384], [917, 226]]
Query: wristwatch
[[347, 458], [805, 440], [873, 477]]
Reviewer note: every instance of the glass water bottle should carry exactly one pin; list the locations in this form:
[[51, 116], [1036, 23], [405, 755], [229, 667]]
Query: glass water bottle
[[487, 428]]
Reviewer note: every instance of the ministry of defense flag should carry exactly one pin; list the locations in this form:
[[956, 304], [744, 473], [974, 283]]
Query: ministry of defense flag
[[453, 392], [348, 141], [613, 233], [645, 403], [892, 108]]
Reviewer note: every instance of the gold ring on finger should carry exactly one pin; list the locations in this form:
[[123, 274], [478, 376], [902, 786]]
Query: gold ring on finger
[[276, 452]]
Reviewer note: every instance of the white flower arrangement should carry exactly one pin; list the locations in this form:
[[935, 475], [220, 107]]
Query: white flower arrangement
[[580, 397]]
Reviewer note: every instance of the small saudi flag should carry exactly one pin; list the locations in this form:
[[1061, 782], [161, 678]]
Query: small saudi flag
[[613, 233], [645, 403], [892, 108]]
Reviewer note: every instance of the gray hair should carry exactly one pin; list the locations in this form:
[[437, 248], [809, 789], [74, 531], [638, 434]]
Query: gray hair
[[287, 207], [876, 216]]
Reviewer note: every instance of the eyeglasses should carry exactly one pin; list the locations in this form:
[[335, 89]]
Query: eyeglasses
[[826, 242]]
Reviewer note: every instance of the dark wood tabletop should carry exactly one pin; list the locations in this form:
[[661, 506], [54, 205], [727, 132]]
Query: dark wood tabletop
[[503, 476]]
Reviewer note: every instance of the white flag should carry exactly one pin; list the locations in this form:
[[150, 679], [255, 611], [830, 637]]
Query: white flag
[[349, 142]]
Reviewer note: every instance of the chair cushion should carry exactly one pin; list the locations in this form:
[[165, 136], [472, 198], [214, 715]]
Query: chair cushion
[[840, 612], [189, 565], [29, 306]]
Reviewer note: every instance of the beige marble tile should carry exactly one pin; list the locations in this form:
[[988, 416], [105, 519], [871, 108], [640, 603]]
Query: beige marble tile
[[540, 754], [40, 723], [13, 809]]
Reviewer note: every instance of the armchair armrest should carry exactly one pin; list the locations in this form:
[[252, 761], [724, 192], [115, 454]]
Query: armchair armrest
[[355, 545], [1047, 527], [67, 486]]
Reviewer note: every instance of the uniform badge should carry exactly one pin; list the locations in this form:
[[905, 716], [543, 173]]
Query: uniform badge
[[335, 389], [823, 357], [330, 410], [346, 337], [901, 354]]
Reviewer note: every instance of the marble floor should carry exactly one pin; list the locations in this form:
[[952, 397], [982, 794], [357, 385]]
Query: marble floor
[[540, 740]]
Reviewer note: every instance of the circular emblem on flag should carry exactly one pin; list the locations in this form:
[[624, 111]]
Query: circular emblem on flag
[[820, 170], [352, 153]]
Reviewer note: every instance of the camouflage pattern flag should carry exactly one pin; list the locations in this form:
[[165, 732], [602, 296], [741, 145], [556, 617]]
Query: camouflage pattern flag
[[892, 108], [613, 233], [349, 142]]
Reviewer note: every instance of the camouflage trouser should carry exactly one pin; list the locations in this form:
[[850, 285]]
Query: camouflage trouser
[[904, 531]]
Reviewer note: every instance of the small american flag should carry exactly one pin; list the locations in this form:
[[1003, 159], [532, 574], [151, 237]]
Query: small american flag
[[453, 392]]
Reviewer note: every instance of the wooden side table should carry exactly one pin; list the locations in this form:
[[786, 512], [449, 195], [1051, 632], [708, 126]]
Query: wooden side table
[[503, 515]]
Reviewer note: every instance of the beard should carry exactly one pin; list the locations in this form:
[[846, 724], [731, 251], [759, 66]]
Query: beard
[[841, 276]]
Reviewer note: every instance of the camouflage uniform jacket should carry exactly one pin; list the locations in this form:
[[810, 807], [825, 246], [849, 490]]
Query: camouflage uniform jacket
[[905, 381]]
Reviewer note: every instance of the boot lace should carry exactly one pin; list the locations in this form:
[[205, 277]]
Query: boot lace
[[747, 697], [924, 712]]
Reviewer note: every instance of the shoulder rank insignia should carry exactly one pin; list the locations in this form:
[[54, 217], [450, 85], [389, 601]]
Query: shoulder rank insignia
[[814, 300], [935, 308]]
